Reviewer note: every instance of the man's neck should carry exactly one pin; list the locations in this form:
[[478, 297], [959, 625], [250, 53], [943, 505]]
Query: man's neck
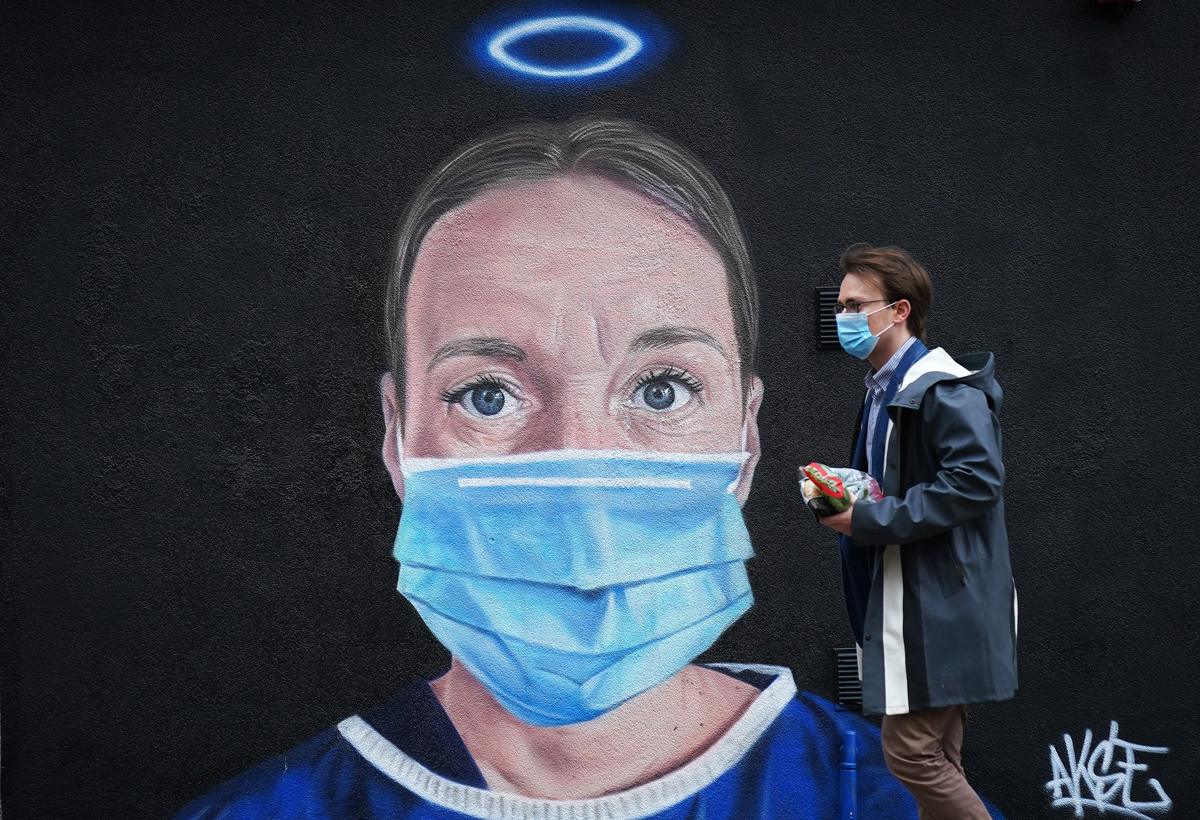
[[891, 341], [639, 741]]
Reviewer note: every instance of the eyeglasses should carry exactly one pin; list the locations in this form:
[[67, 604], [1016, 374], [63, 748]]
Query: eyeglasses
[[853, 306]]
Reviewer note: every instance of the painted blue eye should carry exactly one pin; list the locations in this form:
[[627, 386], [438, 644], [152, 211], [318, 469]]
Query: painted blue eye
[[658, 395], [662, 394], [484, 398], [487, 401]]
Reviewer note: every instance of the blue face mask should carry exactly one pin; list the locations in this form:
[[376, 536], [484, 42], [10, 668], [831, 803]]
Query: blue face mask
[[569, 581], [854, 333]]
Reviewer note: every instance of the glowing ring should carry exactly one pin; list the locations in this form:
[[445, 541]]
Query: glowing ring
[[630, 42]]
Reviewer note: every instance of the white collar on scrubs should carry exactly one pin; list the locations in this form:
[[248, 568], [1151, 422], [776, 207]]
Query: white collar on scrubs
[[648, 798]]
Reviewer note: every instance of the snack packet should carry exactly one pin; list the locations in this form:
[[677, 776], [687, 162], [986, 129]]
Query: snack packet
[[830, 490]]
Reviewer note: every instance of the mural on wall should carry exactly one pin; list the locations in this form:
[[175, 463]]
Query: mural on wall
[[1106, 776], [571, 425]]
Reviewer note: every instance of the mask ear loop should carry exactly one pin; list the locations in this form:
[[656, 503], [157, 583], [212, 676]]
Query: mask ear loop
[[885, 307], [400, 450], [889, 327], [744, 453]]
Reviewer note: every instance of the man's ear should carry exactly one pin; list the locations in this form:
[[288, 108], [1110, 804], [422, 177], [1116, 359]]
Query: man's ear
[[754, 398], [902, 309], [391, 424]]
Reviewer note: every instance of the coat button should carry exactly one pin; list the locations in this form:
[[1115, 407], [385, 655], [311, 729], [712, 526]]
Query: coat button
[[867, 636]]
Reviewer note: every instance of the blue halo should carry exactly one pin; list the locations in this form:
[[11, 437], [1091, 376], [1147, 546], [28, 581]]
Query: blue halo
[[567, 50], [498, 46]]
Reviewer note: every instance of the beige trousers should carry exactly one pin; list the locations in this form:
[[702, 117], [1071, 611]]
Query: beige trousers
[[924, 751]]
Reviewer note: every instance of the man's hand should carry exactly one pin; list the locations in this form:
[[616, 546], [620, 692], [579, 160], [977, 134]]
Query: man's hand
[[840, 522]]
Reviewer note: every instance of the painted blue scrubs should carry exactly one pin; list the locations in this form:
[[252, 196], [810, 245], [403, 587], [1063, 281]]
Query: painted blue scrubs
[[404, 759]]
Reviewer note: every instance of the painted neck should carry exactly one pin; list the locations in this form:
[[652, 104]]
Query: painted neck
[[654, 733]]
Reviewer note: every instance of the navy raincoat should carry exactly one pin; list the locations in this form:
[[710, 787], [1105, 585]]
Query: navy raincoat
[[927, 575]]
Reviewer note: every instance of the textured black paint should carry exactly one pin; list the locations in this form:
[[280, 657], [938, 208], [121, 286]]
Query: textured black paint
[[197, 205]]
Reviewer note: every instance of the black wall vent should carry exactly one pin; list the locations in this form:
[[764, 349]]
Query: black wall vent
[[824, 300], [849, 687]]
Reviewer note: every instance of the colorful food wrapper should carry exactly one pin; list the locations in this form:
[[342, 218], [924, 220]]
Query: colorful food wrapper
[[830, 490]]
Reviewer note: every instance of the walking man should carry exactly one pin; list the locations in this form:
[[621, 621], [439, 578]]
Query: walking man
[[926, 569]]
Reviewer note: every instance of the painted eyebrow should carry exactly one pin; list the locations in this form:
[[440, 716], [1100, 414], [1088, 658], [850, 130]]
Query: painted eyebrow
[[477, 346], [658, 338]]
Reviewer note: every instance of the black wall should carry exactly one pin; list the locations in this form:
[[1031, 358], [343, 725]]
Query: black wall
[[198, 203]]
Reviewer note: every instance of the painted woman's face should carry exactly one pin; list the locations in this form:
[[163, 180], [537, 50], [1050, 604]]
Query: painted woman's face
[[569, 313]]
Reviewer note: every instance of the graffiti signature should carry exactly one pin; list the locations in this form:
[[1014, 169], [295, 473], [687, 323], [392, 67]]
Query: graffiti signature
[[1090, 781]]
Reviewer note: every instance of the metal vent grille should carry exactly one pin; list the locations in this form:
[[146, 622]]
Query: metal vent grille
[[824, 300], [849, 687]]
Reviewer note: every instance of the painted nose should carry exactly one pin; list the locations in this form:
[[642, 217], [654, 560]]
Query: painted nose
[[583, 424]]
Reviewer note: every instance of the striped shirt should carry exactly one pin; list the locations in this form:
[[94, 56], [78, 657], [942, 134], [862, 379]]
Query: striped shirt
[[877, 382]]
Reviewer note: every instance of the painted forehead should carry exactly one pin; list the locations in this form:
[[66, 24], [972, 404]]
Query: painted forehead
[[581, 212], [563, 242]]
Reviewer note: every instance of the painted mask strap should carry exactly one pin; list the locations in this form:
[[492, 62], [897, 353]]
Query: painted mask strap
[[400, 450], [732, 487]]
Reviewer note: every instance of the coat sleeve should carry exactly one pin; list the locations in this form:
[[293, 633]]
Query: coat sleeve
[[965, 437]]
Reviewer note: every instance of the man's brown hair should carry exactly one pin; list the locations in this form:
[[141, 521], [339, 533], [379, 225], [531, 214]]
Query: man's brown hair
[[898, 274]]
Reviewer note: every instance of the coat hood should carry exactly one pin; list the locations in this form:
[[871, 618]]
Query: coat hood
[[937, 366]]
